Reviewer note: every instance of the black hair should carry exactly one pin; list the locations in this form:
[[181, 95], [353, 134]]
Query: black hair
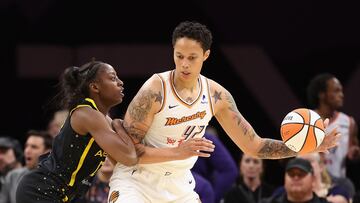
[[48, 140], [16, 147], [193, 30], [316, 86], [74, 83]]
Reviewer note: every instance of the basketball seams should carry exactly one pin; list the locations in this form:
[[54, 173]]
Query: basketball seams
[[295, 123], [317, 126], [306, 137], [302, 127], [306, 124], [316, 141], [300, 116]]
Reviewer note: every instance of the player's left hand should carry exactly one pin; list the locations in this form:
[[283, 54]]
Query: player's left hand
[[330, 140]]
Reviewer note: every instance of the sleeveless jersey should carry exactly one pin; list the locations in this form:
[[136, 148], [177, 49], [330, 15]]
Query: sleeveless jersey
[[176, 122], [74, 159], [335, 160]]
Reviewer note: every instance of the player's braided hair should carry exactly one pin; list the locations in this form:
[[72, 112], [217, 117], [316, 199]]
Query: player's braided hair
[[75, 83]]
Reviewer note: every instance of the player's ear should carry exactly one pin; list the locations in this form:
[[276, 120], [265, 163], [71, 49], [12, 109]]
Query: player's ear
[[206, 54], [93, 87]]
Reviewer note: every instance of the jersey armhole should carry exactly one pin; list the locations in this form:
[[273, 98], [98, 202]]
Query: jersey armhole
[[163, 87], [209, 96]]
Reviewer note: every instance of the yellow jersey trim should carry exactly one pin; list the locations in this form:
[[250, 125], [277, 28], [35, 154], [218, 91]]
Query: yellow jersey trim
[[82, 158]]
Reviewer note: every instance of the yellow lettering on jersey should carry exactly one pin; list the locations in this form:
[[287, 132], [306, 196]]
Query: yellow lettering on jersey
[[101, 153]]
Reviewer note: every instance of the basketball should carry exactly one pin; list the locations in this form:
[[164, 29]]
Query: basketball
[[302, 130]]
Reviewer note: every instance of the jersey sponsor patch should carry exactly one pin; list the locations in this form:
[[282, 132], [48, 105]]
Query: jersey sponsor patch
[[204, 100]]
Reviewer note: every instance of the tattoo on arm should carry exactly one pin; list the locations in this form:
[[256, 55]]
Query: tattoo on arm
[[135, 132], [142, 103], [275, 149], [239, 119], [217, 96], [138, 110]]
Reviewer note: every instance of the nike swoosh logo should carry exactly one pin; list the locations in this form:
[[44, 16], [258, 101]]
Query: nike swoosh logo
[[170, 107]]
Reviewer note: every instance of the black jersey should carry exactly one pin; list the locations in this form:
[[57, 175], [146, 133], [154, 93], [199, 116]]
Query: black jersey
[[75, 158]]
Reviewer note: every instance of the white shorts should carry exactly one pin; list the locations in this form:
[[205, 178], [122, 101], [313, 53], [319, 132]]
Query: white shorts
[[137, 185]]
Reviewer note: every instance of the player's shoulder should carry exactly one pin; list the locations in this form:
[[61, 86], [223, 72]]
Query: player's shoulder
[[346, 116], [154, 82], [216, 87], [84, 116]]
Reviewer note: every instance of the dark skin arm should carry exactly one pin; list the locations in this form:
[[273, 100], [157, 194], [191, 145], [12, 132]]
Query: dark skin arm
[[117, 144]]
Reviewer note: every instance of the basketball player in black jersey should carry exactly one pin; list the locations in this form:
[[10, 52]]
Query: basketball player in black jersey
[[86, 138]]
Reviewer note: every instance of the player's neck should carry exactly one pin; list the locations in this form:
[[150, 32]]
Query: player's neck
[[101, 107], [325, 111], [186, 85]]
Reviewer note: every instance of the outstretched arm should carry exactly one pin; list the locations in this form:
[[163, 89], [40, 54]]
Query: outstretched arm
[[138, 119], [242, 133]]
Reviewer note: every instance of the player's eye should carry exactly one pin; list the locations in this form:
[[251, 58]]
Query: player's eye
[[191, 58]]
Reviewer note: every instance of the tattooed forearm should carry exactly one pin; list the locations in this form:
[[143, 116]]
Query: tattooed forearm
[[274, 149], [247, 129], [141, 105], [239, 119], [135, 131], [233, 108]]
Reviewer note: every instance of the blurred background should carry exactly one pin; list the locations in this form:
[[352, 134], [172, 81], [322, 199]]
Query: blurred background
[[264, 53]]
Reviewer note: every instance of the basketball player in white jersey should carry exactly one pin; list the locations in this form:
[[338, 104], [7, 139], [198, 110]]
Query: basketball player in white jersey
[[325, 96], [167, 120]]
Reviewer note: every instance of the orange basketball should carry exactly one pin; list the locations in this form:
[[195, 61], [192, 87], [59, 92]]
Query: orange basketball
[[302, 130]]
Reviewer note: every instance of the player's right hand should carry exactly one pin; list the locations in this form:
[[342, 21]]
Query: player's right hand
[[331, 139], [201, 147]]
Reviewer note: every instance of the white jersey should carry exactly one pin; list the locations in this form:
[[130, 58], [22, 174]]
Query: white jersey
[[335, 160], [176, 122]]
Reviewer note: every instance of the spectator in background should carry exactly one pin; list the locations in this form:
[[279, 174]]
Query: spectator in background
[[335, 190], [57, 122], [219, 169], [11, 156], [299, 180], [37, 143], [340, 190], [250, 188], [326, 97]]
